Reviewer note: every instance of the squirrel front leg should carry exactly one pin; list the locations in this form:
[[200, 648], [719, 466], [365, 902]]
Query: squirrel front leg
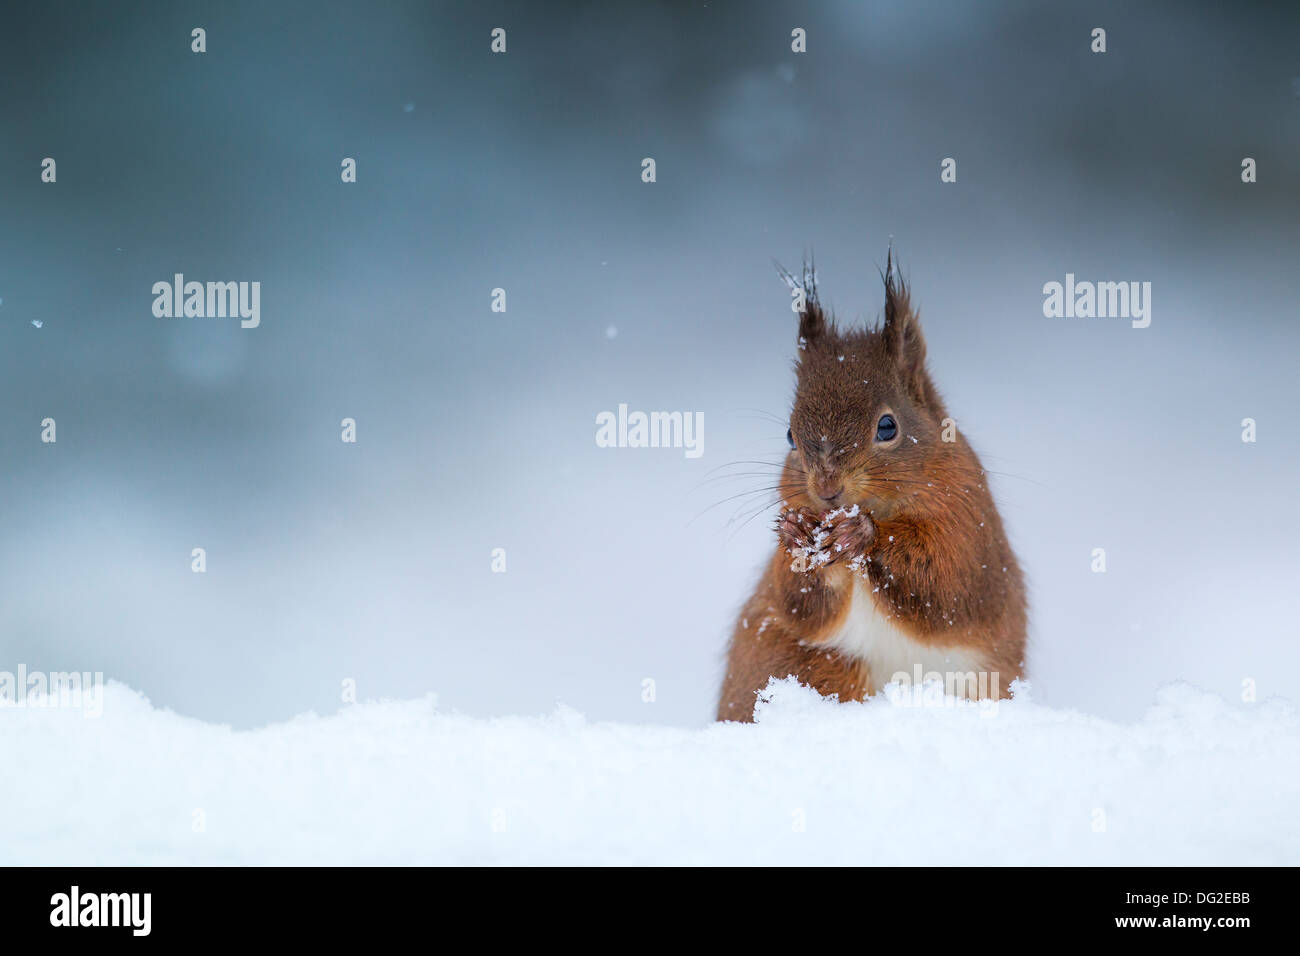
[[918, 569], [809, 577], [803, 599]]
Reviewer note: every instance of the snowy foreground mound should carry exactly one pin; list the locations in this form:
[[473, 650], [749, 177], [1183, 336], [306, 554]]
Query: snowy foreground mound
[[1197, 781]]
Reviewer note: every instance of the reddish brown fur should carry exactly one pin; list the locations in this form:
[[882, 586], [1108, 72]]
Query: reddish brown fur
[[936, 547]]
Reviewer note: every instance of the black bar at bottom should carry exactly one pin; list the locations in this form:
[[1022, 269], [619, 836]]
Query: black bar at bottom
[[334, 905]]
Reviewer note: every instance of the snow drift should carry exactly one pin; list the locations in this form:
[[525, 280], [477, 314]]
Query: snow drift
[[899, 780]]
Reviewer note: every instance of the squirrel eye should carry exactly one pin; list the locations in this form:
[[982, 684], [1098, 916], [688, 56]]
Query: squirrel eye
[[789, 436], [886, 428]]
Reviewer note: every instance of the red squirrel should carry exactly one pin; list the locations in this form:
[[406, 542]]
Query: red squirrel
[[891, 558]]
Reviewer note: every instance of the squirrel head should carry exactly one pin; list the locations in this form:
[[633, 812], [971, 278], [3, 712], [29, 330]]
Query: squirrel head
[[866, 424]]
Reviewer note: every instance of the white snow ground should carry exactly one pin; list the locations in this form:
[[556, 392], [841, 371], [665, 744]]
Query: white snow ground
[[1196, 781]]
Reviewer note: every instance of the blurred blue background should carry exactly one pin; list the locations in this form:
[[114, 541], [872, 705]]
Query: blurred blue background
[[372, 562]]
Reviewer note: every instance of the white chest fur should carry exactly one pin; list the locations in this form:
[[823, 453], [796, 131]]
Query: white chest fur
[[868, 635]]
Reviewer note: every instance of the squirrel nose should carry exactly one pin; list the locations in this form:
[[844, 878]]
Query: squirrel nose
[[830, 493]]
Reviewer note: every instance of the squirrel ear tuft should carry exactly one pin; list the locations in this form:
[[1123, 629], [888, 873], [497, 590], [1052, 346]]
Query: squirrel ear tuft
[[812, 319], [902, 329]]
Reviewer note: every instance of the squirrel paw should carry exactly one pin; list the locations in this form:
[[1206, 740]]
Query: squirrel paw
[[803, 538], [849, 534]]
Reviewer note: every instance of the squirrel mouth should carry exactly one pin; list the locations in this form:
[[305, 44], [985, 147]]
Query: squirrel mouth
[[841, 499]]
